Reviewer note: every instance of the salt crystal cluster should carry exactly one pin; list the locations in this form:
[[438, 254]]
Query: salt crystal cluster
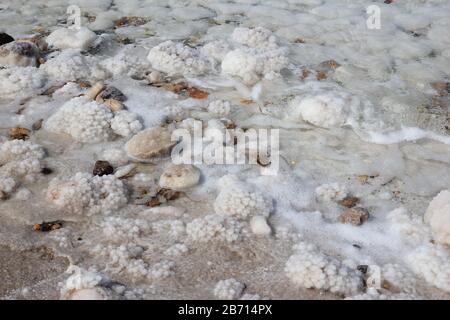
[[22, 81], [214, 228], [83, 285], [438, 217], [238, 200], [219, 107], [90, 122], [331, 192], [324, 109], [19, 161], [258, 56], [71, 65], [87, 194], [229, 289], [432, 262], [177, 59], [309, 268], [72, 38]]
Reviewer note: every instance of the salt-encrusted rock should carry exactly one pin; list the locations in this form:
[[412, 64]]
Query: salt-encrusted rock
[[83, 285], [239, 200], [83, 119], [19, 53], [125, 123], [229, 289], [19, 161], [250, 65], [438, 217], [325, 109], [310, 268], [355, 216], [5, 38], [179, 176], [177, 59], [258, 37], [214, 228], [21, 82], [155, 77], [259, 226], [87, 194], [151, 142], [66, 38], [71, 65]]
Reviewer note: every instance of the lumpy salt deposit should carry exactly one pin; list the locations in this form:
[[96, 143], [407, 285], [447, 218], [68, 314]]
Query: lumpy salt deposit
[[363, 119]]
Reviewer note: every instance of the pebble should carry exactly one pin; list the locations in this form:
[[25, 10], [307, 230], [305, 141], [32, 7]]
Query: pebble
[[5, 38], [19, 53], [259, 226], [179, 176], [102, 168], [149, 143], [355, 216], [95, 90], [111, 92]]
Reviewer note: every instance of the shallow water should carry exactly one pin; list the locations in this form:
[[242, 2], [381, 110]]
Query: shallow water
[[392, 151]]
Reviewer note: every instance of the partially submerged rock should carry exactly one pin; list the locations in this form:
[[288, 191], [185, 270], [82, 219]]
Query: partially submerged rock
[[355, 216], [5, 38], [149, 143], [19, 53], [179, 176]]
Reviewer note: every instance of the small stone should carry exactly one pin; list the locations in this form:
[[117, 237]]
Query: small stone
[[95, 90], [102, 168], [154, 77], [112, 104], [179, 176], [363, 268], [355, 216], [149, 143], [19, 133], [349, 201], [48, 226], [197, 93], [125, 171], [111, 92], [37, 125], [5, 38], [19, 53], [46, 171], [259, 226]]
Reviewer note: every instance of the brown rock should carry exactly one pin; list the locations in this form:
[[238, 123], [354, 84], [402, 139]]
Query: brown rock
[[19, 133], [102, 168], [355, 216], [349, 201]]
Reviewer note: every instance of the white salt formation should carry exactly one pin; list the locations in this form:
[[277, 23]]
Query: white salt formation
[[71, 65], [21, 81], [83, 285], [326, 110], [229, 289], [90, 122], [19, 161], [177, 59], [67, 38], [179, 176], [238, 200], [87, 194], [438, 217], [19, 53], [310, 268]]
